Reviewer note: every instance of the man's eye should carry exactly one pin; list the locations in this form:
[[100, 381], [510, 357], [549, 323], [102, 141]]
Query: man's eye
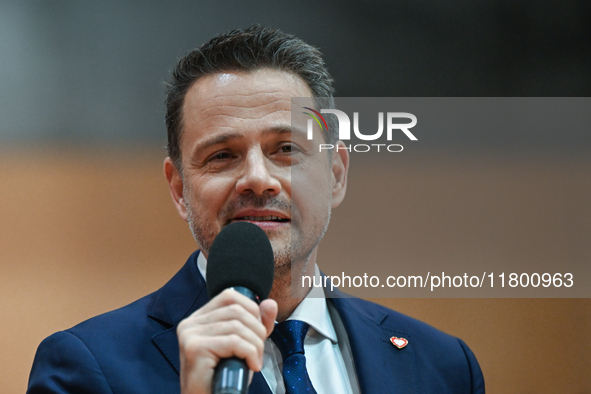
[[289, 148], [220, 156]]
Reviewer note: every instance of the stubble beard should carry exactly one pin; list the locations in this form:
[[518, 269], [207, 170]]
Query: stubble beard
[[295, 251]]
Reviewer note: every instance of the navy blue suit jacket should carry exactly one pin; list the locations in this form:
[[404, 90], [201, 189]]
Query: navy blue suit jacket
[[135, 349]]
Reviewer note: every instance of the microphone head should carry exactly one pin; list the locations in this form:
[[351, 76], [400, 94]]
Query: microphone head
[[241, 255]]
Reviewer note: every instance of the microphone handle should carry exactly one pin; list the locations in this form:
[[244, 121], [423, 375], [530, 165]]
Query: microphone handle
[[231, 374]]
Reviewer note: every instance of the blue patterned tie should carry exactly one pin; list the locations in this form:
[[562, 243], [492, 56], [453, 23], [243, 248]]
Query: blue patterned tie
[[289, 338]]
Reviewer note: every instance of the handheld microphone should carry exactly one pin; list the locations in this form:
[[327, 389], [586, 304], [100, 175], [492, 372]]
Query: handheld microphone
[[241, 257]]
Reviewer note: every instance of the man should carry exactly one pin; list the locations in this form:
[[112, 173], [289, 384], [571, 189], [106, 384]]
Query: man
[[233, 156]]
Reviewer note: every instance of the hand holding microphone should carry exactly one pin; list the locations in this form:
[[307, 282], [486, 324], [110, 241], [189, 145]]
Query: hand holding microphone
[[223, 340]]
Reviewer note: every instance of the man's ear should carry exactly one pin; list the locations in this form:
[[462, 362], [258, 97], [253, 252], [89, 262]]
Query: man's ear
[[340, 169], [175, 186]]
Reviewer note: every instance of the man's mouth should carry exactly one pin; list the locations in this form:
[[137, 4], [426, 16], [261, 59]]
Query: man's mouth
[[263, 219]]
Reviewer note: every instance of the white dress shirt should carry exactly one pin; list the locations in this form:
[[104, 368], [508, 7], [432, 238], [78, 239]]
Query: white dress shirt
[[328, 353]]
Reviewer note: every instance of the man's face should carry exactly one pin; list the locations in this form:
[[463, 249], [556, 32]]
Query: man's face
[[240, 156]]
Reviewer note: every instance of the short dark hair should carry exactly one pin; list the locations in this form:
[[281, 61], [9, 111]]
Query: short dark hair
[[245, 50]]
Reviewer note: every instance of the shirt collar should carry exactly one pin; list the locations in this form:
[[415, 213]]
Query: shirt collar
[[314, 311], [202, 265]]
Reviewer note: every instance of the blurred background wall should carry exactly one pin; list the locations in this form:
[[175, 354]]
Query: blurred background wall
[[86, 223]]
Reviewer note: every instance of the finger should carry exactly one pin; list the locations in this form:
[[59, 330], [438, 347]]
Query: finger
[[268, 315], [199, 358], [231, 313], [229, 297], [209, 350], [214, 329], [227, 313], [235, 346]]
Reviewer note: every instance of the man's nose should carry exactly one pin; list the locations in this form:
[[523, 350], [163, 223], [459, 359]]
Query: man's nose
[[256, 175]]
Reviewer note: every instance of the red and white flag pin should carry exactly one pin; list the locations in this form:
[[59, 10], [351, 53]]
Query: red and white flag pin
[[399, 342]]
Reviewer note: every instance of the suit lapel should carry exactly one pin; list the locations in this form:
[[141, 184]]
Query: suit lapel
[[177, 299], [380, 366], [259, 385]]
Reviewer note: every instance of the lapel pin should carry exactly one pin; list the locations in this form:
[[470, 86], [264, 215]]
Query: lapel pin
[[399, 342]]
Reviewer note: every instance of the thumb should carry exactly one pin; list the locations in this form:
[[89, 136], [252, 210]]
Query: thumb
[[268, 314]]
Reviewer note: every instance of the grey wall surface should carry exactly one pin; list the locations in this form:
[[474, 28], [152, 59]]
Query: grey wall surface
[[92, 72]]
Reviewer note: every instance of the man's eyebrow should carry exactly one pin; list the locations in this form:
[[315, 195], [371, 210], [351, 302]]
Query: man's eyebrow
[[284, 129], [226, 137], [218, 139]]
